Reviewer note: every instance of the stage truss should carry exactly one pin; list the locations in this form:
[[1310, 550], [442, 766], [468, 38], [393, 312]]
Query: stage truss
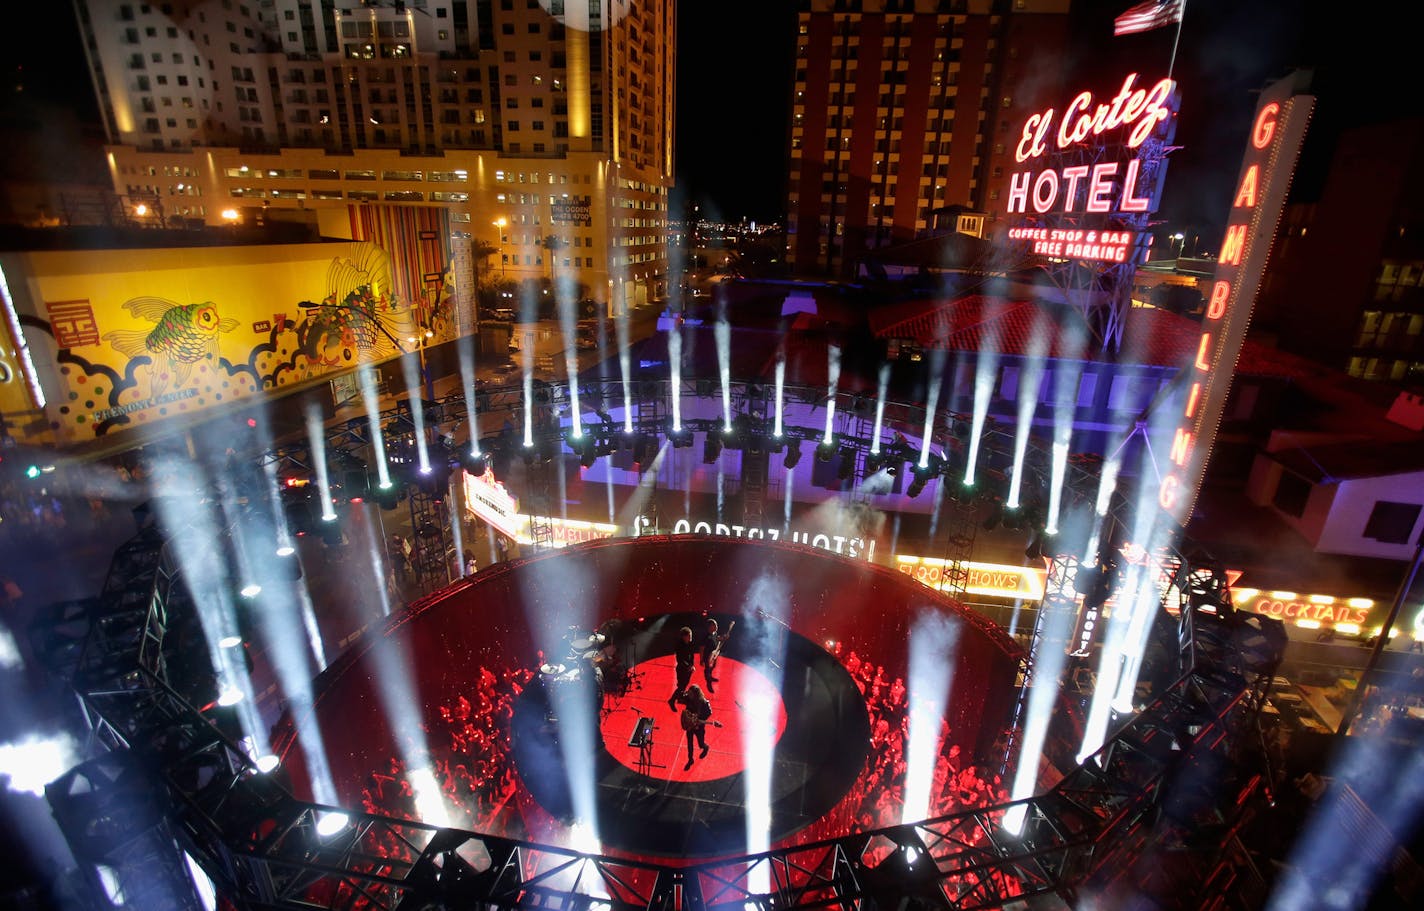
[[163, 764]]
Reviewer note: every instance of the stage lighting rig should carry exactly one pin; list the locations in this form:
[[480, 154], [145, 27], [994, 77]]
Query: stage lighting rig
[[680, 439], [474, 463], [793, 454], [711, 448], [824, 451], [389, 497], [921, 478], [846, 466], [435, 480]]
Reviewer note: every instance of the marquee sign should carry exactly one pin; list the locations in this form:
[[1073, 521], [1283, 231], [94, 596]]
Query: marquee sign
[[487, 499], [998, 580], [1277, 132]]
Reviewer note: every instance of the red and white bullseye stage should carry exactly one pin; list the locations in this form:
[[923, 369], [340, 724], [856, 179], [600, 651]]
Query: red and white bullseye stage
[[820, 645]]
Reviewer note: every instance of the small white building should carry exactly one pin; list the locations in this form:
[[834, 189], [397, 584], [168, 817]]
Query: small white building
[[1346, 496]]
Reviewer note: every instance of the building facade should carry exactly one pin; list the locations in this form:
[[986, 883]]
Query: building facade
[[904, 107], [1365, 313], [525, 119]]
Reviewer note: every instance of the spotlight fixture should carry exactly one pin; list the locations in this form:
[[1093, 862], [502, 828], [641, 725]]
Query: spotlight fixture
[[711, 449], [474, 462], [286, 550], [250, 590], [793, 455], [680, 439], [846, 467], [330, 823], [824, 451], [389, 495], [917, 485], [229, 695], [267, 763], [229, 642]]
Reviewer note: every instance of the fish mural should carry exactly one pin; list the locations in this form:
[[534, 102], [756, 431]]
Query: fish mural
[[183, 334], [360, 316]]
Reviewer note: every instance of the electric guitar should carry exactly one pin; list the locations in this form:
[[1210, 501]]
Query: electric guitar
[[690, 721], [717, 652]]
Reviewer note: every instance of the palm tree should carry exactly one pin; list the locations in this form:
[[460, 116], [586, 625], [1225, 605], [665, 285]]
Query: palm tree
[[481, 250], [553, 244]]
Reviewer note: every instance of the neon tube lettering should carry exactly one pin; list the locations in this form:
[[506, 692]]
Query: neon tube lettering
[[1018, 192], [1265, 129], [1035, 128], [1130, 201], [1192, 400], [1233, 245], [1100, 187], [1181, 446], [1073, 175], [1047, 178], [1216, 307], [1246, 196], [1202, 363], [1167, 495]]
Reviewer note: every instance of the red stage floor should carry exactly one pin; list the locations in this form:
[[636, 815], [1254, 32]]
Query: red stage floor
[[737, 685]]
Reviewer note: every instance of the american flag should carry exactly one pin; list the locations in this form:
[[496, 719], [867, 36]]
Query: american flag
[[1144, 17]]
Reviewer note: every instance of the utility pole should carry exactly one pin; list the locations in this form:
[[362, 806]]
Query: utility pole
[[1367, 678]]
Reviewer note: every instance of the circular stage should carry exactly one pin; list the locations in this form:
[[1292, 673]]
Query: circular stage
[[814, 729], [541, 691]]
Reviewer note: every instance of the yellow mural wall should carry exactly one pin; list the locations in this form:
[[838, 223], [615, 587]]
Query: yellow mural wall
[[124, 338]]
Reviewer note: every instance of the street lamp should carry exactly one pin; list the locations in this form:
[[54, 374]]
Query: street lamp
[[500, 223], [1181, 240]]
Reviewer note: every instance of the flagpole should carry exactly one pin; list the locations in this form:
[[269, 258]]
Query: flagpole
[[1171, 64]]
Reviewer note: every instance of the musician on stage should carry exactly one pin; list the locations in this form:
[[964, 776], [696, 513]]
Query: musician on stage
[[711, 651], [686, 654], [694, 721]]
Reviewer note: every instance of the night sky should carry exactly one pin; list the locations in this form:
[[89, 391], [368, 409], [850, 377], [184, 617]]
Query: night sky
[[734, 89]]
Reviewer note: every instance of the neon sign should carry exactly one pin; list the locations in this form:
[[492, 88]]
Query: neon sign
[[1078, 243], [1124, 180], [1314, 610], [1141, 108], [995, 579], [1276, 136], [837, 544]]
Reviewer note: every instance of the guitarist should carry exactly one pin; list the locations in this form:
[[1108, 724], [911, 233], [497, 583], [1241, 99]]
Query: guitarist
[[695, 720], [712, 650], [685, 653]]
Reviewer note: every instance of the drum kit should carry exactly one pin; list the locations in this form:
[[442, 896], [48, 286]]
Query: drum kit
[[595, 654]]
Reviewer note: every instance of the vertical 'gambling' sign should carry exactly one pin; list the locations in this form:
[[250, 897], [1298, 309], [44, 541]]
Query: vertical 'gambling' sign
[[1276, 135]]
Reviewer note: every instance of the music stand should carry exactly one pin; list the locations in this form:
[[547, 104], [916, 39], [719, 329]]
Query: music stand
[[642, 738]]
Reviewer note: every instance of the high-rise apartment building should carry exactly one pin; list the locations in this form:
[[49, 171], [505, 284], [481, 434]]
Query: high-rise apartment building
[[902, 107], [524, 119]]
